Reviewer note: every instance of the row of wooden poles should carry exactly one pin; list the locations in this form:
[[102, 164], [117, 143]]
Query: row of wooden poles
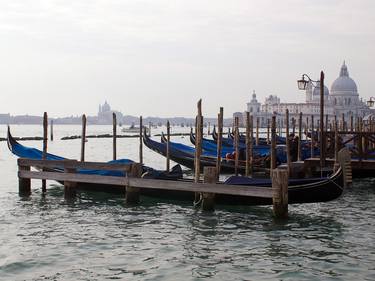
[[271, 138], [271, 130], [279, 194]]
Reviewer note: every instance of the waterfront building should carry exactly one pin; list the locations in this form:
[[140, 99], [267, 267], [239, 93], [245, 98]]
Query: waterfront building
[[105, 114], [342, 100]]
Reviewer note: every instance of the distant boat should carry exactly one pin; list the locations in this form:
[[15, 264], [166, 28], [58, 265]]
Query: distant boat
[[133, 129]]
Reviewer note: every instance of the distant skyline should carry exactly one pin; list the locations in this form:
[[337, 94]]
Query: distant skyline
[[158, 58]]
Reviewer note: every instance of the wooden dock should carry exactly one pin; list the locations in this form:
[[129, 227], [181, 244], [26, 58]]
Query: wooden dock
[[65, 171]]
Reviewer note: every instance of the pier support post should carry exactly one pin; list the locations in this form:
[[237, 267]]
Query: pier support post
[[208, 201], [132, 193], [280, 192], [24, 184], [70, 187]]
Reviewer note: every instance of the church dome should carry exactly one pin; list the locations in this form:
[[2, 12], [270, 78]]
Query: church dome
[[344, 84]]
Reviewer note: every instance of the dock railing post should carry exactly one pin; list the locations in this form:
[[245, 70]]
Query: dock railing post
[[132, 193], [45, 140], [24, 184], [280, 192], [208, 199]]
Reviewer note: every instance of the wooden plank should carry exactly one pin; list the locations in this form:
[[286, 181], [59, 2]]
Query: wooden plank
[[263, 192], [73, 164]]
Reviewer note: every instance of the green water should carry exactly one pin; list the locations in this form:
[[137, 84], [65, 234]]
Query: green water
[[98, 237]]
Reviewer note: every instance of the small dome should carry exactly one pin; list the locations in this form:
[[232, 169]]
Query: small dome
[[344, 84], [316, 91]]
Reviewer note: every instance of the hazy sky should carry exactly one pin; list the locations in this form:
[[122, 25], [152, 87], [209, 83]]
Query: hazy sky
[[159, 57]]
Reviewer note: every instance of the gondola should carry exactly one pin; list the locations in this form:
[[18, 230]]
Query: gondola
[[184, 155], [229, 140], [300, 191], [32, 153], [210, 145]]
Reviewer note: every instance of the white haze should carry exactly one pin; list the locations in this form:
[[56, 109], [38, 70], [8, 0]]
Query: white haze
[[157, 58]]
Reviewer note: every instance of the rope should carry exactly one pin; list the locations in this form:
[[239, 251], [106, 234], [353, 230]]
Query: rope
[[342, 188]]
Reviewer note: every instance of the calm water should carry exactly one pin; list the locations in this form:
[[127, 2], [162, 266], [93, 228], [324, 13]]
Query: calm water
[[98, 237]]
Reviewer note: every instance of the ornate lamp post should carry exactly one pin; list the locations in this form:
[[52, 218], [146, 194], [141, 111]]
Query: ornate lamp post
[[302, 86], [371, 102]]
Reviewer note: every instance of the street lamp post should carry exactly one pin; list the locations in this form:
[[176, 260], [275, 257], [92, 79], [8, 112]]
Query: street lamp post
[[302, 86], [371, 102]]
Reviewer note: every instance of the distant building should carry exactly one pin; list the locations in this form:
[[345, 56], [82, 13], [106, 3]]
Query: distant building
[[5, 118], [343, 99], [105, 114]]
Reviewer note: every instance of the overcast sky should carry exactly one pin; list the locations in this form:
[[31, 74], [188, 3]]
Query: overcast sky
[[157, 58]]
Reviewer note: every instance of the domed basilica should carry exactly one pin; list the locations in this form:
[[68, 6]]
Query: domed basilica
[[342, 101]]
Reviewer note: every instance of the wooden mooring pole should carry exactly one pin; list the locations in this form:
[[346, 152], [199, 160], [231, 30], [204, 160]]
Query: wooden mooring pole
[[140, 140], [168, 163], [51, 129], [236, 145], [198, 142], [288, 159], [299, 158], [114, 124], [45, 139], [280, 192], [257, 132], [83, 138], [312, 143], [248, 155], [273, 143], [219, 140]]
